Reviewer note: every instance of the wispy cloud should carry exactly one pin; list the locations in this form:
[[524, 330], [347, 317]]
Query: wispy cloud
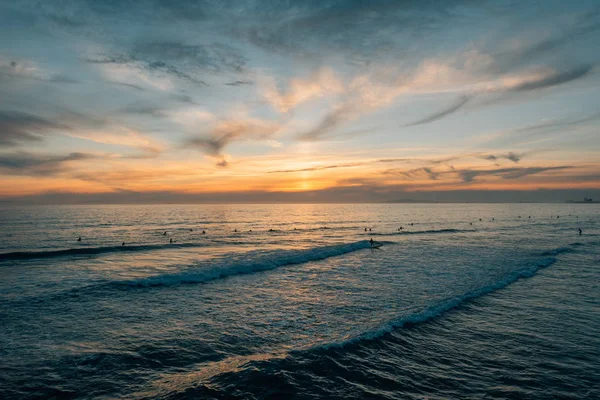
[[240, 83], [17, 128], [443, 113], [30, 71], [228, 131], [469, 175], [187, 62], [553, 79], [514, 157], [322, 82], [23, 163], [538, 129], [330, 122]]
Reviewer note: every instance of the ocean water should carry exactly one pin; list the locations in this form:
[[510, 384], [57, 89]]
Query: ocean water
[[289, 301]]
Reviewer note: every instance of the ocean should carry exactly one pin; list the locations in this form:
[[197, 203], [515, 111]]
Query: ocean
[[466, 301]]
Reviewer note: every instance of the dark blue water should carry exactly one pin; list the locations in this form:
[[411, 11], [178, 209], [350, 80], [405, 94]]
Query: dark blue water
[[301, 307]]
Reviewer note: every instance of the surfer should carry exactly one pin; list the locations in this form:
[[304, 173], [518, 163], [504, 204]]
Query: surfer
[[165, 234], [372, 242], [579, 231], [204, 232], [79, 240], [171, 240], [123, 244], [235, 230]]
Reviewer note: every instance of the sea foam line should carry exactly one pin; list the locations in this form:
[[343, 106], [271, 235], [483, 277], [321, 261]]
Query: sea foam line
[[264, 263], [440, 308], [403, 232], [83, 251]]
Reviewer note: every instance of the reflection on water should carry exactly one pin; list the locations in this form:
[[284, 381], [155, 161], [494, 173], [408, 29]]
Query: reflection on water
[[294, 284]]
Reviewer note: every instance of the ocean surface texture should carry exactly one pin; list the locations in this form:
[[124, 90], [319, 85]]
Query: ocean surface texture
[[289, 301]]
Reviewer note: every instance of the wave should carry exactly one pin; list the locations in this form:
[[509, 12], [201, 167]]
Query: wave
[[84, 251], [560, 250], [420, 232], [440, 308], [302, 356], [264, 263]]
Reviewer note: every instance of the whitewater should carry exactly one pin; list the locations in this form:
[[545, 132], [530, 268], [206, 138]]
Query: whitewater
[[291, 301]]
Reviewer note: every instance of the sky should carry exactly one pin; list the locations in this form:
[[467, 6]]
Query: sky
[[299, 101]]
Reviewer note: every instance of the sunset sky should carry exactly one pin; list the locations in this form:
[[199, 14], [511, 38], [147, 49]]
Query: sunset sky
[[299, 100]]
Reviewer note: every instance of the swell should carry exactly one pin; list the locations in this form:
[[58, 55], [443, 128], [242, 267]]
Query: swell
[[267, 262], [529, 270], [83, 251], [420, 232], [256, 369]]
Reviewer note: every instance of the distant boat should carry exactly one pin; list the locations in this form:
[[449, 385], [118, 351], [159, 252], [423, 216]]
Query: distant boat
[[587, 200]]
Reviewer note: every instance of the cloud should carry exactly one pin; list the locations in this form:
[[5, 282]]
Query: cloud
[[318, 168], [28, 70], [188, 62], [184, 98], [441, 114], [524, 53], [342, 165], [553, 79], [23, 163], [129, 85], [240, 83], [17, 127], [144, 109], [417, 173], [511, 85], [322, 82], [514, 157], [151, 66], [541, 128], [358, 30], [225, 132], [468, 175], [330, 122], [114, 134]]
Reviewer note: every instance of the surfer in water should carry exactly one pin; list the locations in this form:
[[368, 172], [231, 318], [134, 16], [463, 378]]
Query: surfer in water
[[580, 232], [79, 240]]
